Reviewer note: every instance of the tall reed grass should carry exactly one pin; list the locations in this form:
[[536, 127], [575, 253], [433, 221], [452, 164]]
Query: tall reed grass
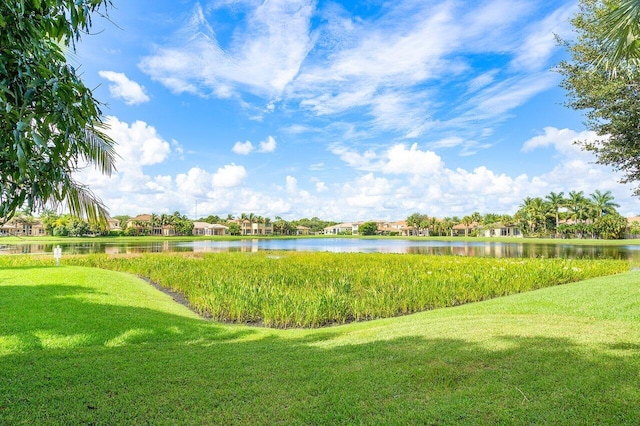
[[292, 289]]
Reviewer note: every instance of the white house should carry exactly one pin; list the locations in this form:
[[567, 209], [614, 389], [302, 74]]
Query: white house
[[209, 229]]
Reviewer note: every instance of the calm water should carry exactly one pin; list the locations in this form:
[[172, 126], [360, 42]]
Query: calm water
[[339, 245]]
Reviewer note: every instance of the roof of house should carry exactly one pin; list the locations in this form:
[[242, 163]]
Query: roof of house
[[462, 227], [141, 217], [205, 225]]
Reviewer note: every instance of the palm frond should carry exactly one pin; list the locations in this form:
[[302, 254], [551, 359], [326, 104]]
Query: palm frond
[[82, 202], [100, 149], [620, 36]]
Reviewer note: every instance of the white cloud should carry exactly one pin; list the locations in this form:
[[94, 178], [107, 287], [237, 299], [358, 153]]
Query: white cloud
[[269, 145], [383, 183], [138, 144], [195, 182], [229, 176], [246, 148], [390, 67], [242, 148], [395, 160], [123, 88], [292, 184], [263, 57], [563, 140], [534, 53]]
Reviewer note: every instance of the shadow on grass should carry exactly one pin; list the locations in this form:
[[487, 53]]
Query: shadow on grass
[[180, 370], [57, 316]]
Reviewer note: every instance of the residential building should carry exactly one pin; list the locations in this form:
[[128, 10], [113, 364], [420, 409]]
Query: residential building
[[343, 228], [210, 229], [397, 228], [303, 230], [23, 228], [501, 230], [254, 228], [145, 224]]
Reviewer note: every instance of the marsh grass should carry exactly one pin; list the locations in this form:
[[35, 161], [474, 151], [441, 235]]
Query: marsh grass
[[86, 346], [293, 289]]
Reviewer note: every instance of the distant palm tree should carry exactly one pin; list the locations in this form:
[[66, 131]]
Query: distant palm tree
[[466, 221], [556, 202], [603, 202], [578, 206]]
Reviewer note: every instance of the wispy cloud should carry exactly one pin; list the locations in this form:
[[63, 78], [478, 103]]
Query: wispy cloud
[[263, 56], [399, 70]]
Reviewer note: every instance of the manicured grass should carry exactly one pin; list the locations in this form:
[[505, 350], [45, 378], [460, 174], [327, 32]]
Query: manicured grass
[[87, 346], [294, 289]]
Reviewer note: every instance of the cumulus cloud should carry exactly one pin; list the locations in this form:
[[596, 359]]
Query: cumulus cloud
[[246, 148], [405, 179], [269, 145], [195, 182], [229, 176], [138, 144], [395, 160], [292, 184], [243, 148], [563, 140], [123, 88]]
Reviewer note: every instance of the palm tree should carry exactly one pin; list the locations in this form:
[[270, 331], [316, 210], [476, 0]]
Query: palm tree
[[414, 221], [555, 202], [578, 206], [534, 212], [466, 221], [620, 35], [603, 202]]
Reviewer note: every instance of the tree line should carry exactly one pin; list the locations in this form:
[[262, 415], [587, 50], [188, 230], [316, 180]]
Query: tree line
[[574, 215]]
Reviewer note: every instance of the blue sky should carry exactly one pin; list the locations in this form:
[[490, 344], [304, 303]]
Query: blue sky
[[340, 110]]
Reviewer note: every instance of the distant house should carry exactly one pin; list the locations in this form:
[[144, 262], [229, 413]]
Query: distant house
[[303, 230], [397, 228], [633, 227], [210, 229], [114, 224], [254, 228], [501, 230], [143, 224], [343, 228], [462, 229], [23, 228]]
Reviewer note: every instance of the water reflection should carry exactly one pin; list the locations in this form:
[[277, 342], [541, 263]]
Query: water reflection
[[337, 245]]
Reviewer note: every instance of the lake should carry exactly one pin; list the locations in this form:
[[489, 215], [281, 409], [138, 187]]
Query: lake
[[338, 245]]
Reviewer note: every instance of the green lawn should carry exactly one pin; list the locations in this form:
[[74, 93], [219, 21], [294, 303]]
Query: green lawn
[[87, 346]]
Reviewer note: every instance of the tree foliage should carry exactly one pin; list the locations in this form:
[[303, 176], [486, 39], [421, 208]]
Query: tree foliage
[[611, 105], [574, 216], [368, 228], [50, 123]]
